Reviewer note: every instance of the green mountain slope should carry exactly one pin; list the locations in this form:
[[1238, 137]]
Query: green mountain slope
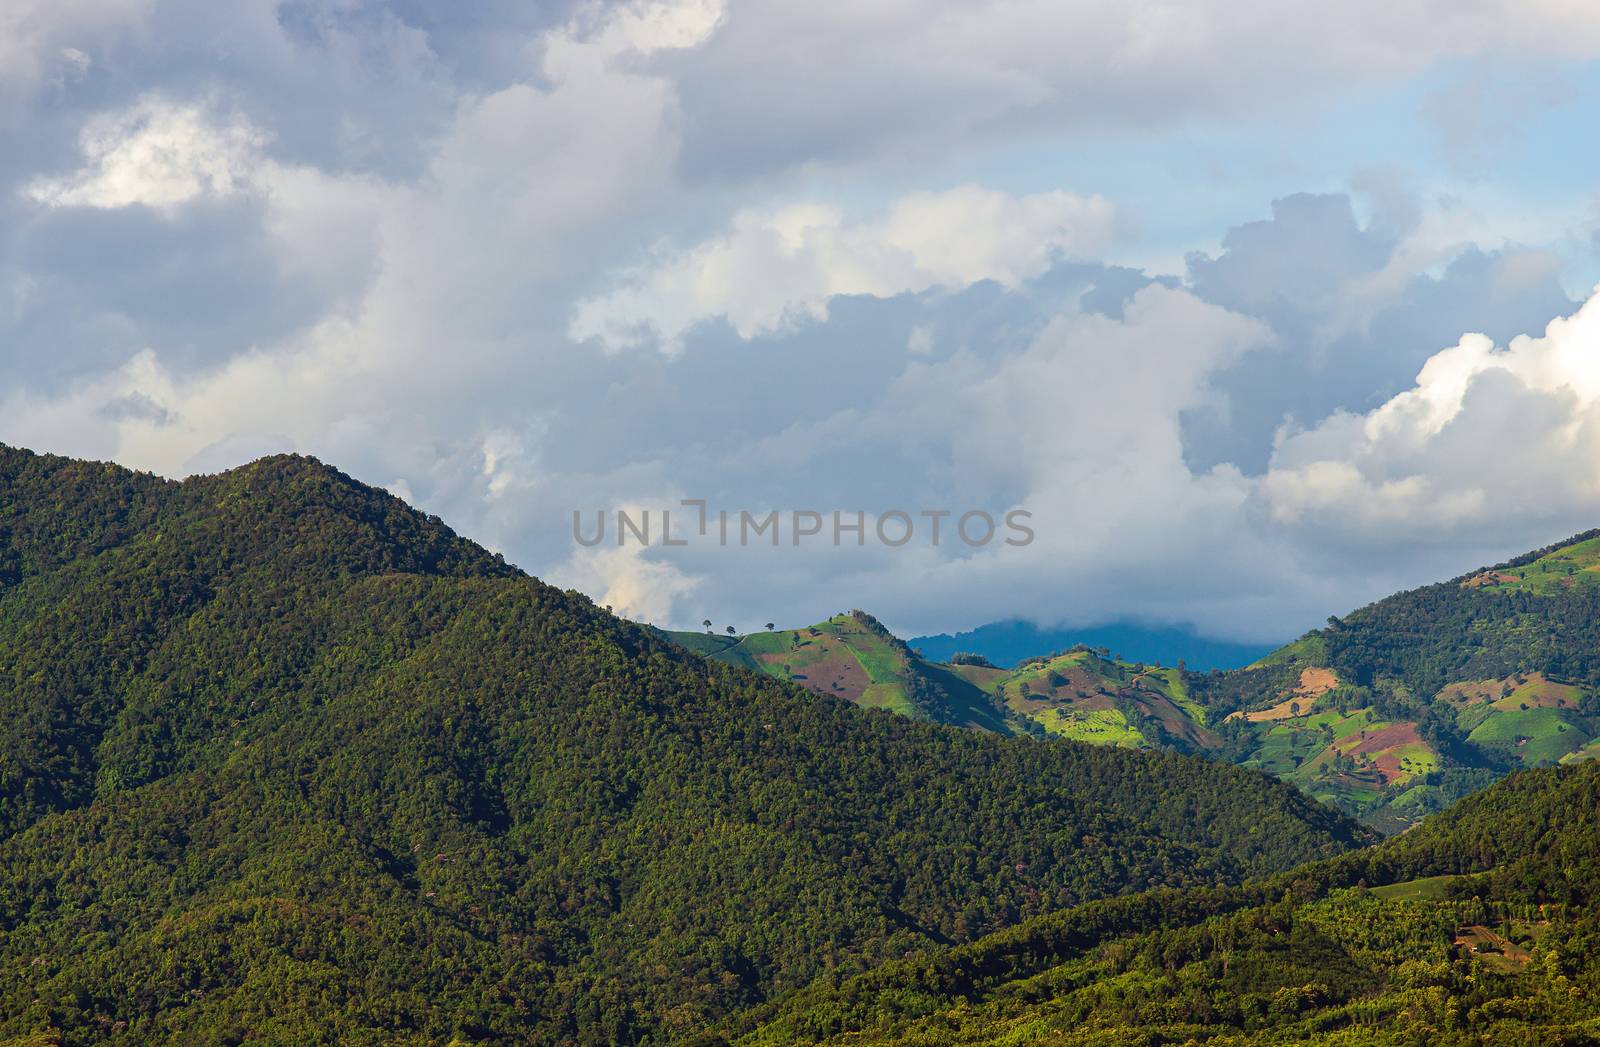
[[1091, 697], [1389, 714], [1477, 927], [852, 656], [1077, 694], [282, 759], [1405, 705]]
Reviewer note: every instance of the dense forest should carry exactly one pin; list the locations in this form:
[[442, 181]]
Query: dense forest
[[1478, 927], [284, 760]]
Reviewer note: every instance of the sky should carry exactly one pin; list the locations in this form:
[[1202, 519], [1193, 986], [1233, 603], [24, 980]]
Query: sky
[[1257, 312]]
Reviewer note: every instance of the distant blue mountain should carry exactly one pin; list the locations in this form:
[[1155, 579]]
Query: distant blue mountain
[[1007, 643]]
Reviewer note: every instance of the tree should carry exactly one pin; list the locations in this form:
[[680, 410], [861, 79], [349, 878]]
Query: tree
[[707, 624], [730, 630], [770, 627]]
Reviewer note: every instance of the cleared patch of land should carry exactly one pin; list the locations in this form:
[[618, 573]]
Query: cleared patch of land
[[1492, 948], [1427, 888], [1535, 735], [1570, 567], [1314, 683]]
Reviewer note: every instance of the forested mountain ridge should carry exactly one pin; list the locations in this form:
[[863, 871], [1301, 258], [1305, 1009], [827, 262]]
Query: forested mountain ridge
[[1477, 927], [1390, 713], [283, 759], [1401, 707], [105, 565]]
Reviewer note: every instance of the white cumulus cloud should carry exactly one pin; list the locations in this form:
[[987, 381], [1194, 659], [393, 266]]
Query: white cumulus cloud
[[1485, 432]]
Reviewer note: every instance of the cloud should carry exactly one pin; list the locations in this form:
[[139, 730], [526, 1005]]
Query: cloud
[[1479, 109], [645, 27], [1355, 310], [1079, 426], [913, 78], [778, 268], [157, 154], [514, 188], [627, 581], [1483, 431], [372, 231], [38, 37]]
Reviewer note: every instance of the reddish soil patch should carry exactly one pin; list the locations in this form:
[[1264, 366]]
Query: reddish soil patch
[[1492, 948], [1470, 692], [1478, 581], [1078, 679], [1391, 737], [838, 673], [1075, 680], [1381, 742], [1316, 682], [1546, 693], [1284, 710], [1388, 765]]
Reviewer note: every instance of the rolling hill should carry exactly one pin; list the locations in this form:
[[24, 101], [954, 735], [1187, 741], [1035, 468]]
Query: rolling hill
[[282, 759], [1390, 713], [1405, 705], [1078, 694], [1477, 927], [852, 656], [1086, 696], [1081, 693]]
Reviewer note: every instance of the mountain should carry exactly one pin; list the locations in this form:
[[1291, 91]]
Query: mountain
[[852, 656], [1077, 694], [1087, 697], [1401, 707], [1009, 642], [1480, 926], [1389, 714], [282, 759]]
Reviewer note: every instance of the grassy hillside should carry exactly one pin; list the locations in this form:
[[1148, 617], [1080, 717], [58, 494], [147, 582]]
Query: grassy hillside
[[1087, 696], [282, 759], [1574, 564], [1079, 694], [1393, 712], [1447, 688], [852, 656], [1478, 927]]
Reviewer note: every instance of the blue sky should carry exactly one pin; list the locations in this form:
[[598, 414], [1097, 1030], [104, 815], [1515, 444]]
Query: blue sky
[[1200, 289]]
